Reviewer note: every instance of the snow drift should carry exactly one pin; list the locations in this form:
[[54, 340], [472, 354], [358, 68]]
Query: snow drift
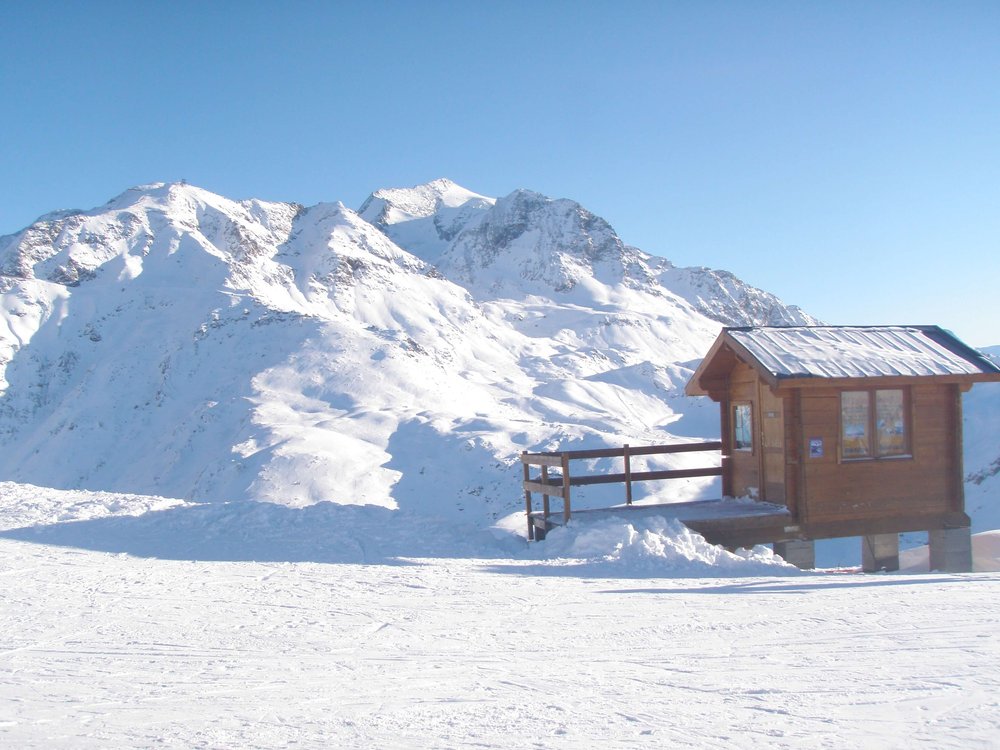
[[171, 529]]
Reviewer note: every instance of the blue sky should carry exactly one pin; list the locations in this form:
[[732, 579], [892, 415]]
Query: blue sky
[[845, 156]]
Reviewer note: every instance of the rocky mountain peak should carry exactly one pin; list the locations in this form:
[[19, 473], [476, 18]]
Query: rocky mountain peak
[[396, 205]]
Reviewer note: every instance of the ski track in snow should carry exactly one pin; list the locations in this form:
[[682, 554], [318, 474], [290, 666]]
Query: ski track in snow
[[498, 645], [103, 650]]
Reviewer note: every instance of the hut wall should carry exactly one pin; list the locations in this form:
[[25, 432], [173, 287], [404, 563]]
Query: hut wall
[[836, 490], [773, 445]]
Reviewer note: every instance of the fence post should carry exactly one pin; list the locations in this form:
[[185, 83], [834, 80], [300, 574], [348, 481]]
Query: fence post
[[628, 476], [527, 496], [565, 473], [545, 497]]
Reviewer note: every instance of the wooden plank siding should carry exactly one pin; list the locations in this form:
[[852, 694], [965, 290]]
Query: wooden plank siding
[[772, 445], [792, 377], [829, 490], [795, 450], [957, 467], [921, 484], [725, 412]]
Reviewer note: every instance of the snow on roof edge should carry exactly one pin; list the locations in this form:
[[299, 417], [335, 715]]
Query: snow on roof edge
[[859, 351]]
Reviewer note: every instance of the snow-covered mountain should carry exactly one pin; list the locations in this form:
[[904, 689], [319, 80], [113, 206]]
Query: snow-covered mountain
[[179, 343], [982, 451], [528, 244]]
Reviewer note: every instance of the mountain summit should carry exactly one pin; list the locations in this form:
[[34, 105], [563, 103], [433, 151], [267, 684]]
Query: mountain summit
[[527, 243], [180, 343], [396, 205]]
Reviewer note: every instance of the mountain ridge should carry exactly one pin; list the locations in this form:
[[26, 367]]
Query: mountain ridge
[[179, 343]]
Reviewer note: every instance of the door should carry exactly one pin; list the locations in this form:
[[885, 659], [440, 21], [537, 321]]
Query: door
[[772, 418]]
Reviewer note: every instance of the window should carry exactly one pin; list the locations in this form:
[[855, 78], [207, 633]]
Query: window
[[855, 424], [742, 427], [890, 424], [873, 424]]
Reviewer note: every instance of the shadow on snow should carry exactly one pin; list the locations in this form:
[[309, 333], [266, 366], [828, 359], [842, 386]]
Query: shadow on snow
[[808, 586], [328, 533], [265, 532]]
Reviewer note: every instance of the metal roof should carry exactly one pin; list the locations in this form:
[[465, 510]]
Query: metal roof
[[860, 351]]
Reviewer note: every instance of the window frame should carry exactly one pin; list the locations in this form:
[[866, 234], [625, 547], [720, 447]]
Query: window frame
[[874, 451], [737, 406]]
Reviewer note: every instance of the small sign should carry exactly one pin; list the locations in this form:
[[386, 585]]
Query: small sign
[[815, 447]]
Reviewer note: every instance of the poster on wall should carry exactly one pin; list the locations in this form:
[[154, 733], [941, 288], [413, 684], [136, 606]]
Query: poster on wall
[[890, 429], [815, 447], [855, 440]]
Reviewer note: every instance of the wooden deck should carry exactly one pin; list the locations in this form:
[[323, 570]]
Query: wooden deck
[[730, 523], [561, 484], [739, 523]]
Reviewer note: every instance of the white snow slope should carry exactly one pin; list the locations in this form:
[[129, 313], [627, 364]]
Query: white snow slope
[[132, 621]]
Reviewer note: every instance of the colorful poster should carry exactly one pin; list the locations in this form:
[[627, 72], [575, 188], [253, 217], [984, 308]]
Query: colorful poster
[[890, 430], [854, 424]]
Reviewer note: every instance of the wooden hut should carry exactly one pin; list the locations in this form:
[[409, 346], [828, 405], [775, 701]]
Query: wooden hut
[[856, 430]]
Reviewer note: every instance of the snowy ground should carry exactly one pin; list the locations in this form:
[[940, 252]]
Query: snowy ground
[[133, 621]]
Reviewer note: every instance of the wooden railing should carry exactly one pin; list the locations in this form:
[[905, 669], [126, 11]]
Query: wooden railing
[[559, 486]]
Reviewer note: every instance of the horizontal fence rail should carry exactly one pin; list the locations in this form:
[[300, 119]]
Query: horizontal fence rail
[[559, 486]]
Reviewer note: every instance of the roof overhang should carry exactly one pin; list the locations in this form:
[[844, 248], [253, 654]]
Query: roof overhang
[[711, 378], [965, 382]]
